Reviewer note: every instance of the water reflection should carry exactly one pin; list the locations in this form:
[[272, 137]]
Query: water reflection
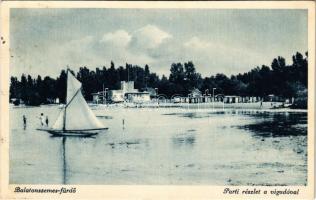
[[184, 140], [264, 123], [277, 124], [193, 115], [189, 114], [65, 164], [104, 117], [158, 148], [64, 160], [132, 143]]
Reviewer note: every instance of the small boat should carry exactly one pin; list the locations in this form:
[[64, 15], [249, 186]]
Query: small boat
[[75, 118]]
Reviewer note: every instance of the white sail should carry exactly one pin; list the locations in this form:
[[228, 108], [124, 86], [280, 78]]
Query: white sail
[[59, 123], [73, 86], [76, 115], [79, 116]]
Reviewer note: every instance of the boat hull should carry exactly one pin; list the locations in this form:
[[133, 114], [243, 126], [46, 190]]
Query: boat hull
[[75, 133]]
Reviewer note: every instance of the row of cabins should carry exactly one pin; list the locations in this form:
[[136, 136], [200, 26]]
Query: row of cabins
[[220, 98], [127, 93], [196, 96]]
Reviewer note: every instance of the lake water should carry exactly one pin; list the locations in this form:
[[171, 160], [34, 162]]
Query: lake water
[[164, 146]]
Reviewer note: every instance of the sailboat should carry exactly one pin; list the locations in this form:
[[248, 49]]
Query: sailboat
[[75, 118]]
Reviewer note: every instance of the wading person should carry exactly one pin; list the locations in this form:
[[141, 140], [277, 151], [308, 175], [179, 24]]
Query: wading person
[[46, 120], [24, 121], [42, 119]]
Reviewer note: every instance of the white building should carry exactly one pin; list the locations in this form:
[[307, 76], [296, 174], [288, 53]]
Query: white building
[[128, 86], [117, 96], [137, 97], [127, 92], [232, 99]]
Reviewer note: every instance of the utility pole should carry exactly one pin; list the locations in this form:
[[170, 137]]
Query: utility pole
[[127, 73], [103, 93], [213, 97]]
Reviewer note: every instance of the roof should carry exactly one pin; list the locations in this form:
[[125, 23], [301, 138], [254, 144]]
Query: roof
[[97, 93], [149, 89], [231, 96], [137, 93], [195, 90]]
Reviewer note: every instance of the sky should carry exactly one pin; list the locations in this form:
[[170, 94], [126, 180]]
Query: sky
[[229, 41]]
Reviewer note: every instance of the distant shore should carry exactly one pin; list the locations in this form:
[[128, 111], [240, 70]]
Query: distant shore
[[269, 106]]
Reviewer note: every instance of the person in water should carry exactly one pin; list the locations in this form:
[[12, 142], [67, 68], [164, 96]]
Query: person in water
[[46, 121], [24, 121], [42, 119]]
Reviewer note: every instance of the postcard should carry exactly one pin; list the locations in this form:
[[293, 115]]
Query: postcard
[[157, 100]]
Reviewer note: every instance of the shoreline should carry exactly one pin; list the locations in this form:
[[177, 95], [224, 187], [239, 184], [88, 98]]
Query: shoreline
[[184, 106]]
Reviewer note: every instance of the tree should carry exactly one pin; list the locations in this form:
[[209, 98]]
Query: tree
[[147, 74], [279, 79], [61, 84], [193, 79], [14, 88], [177, 74], [300, 67]]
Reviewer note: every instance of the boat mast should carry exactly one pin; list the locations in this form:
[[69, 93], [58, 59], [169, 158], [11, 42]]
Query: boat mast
[[64, 121]]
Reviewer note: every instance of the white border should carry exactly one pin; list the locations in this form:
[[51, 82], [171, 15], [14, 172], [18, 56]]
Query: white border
[[145, 191]]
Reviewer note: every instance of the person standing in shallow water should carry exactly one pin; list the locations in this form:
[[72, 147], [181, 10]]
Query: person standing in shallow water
[[42, 119], [46, 120], [24, 122]]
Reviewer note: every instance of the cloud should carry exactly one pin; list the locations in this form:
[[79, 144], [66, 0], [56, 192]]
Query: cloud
[[197, 43], [148, 45], [220, 57], [145, 38], [116, 46], [134, 47], [142, 46], [148, 37], [119, 38], [220, 41], [76, 53]]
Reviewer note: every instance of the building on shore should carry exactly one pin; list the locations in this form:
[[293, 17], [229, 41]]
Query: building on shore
[[127, 93], [99, 97], [232, 99], [152, 92], [196, 96], [195, 93], [137, 97]]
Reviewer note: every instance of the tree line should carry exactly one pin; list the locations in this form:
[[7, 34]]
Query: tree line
[[281, 79]]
